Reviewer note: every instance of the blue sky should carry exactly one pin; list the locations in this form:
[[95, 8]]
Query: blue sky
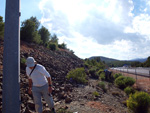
[[112, 28]]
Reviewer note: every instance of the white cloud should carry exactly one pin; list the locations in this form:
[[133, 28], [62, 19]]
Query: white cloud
[[119, 49], [141, 25], [100, 27]]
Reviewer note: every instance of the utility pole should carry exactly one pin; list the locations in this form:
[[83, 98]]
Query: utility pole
[[11, 58]]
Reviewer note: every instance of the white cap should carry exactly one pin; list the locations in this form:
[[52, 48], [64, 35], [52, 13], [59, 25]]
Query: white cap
[[30, 62]]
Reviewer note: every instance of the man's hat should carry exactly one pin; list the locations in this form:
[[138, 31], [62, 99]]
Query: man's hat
[[30, 62]]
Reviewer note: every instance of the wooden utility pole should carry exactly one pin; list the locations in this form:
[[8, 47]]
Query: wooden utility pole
[[11, 58]]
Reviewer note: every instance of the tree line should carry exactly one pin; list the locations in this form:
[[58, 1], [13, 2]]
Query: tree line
[[1, 28], [31, 32], [129, 63]]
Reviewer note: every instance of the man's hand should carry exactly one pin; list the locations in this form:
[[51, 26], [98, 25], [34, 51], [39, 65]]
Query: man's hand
[[50, 89], [29, 91]]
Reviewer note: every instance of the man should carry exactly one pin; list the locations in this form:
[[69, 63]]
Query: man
[[40, 84]]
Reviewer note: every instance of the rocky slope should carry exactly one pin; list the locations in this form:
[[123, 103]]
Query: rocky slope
[[72, 97], [58, 63]]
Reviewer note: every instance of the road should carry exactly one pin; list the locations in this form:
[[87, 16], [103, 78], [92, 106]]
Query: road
[[139, 70]]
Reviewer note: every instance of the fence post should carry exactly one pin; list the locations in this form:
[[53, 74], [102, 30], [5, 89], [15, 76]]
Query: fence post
[[136, 74], [149, 74]]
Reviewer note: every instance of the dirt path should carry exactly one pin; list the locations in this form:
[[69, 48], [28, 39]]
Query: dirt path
[[85, 102]]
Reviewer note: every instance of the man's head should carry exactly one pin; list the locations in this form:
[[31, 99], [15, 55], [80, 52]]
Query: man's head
[[30, 62]]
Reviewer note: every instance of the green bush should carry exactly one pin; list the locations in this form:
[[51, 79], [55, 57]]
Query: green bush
[[100, 71], [22, 62], [102, 76], [1, 28], [93, 73], [129, 90], [102, 85], [62, 46], [86, 65], [129, 81], [92, 70], [117, 75], [95, 63], [77, 75], [95, 93], [122, 82], [139, 102], [52, 46], [62, 110]]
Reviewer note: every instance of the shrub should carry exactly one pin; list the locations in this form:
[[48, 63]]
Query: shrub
[[129, 81], [62, 46], [96, 76], [22, 62], [95, 93], [117, 75], [92, 71], [52, 46], [77, 75], [129, 90], [100, 71], [122, 82], [102, 76], [102, 85], [139, 102], [86, 65], [1, 28], [62, 110]]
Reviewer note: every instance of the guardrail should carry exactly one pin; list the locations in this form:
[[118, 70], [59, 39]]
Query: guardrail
[[145, 72]]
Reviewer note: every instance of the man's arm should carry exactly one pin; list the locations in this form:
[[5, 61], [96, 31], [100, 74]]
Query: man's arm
[[49, 81], [50, 84], [30, 85]]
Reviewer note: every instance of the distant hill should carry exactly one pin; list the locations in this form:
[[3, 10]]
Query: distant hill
[[111, 59], [116, 63], [105, 59], [139, 59]]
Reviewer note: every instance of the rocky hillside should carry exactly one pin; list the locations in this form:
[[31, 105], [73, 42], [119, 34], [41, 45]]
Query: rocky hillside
[[58, 63]]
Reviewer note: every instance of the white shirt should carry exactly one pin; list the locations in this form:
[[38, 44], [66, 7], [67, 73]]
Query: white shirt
[[38, 75]]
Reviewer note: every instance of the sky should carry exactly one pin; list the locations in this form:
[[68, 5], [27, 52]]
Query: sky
[[118, 29]]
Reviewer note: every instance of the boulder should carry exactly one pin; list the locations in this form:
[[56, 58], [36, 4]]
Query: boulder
[[68, 100], [31, 105]]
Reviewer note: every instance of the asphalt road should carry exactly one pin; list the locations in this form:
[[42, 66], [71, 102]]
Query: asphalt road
[[139, 70]]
